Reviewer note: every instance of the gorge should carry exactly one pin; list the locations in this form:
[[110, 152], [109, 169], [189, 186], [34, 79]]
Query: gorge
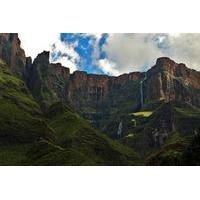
[[136, 118]]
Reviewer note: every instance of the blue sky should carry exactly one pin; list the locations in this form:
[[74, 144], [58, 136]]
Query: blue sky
[[90, 50], [85, 49], [114, 54], [85, 46]]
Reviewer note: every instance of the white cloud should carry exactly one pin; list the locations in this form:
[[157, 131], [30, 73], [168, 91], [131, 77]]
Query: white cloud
[[130, 52], [125, 52], [65, 53], [66, 62], [33, 44], [95, 35], [185, 48], [108, 67]]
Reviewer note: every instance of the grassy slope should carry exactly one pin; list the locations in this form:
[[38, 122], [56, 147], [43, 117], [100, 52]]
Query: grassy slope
[[64, 138], [21, 121], [27, 138], [73, 132], [20, 117], [143, 113], [187, 122]]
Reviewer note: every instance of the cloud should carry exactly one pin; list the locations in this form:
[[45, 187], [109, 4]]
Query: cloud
[[114, 54], [131, 52], [61, 52], [65, 53], [185, 48], [67, 63], [34, 43], [138, 52], [108, 67]]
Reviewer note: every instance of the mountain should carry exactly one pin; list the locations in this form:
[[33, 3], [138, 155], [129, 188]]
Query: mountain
[[30, 135], [57, 137], [162, 136], [93, 96], [98, 97], [168, 80], [51, 117], [12, 53]]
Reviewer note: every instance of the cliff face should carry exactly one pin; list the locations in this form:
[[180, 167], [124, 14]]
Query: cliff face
[[12, 53], [95, 91], [168, 95], [168, 80], [47, 81], [90, 94], [99, 94]]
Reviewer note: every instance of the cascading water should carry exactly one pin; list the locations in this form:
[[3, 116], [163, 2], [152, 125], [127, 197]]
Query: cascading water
[[141, 90], [119, 131]]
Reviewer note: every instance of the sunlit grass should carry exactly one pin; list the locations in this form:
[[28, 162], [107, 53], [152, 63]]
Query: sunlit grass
[[130, 135], [143, 113]]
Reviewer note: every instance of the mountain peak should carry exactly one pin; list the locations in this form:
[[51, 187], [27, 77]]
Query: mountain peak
[[43, 57], [12, 53], [165, 63]]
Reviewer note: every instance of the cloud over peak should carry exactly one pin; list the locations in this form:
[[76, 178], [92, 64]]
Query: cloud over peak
[[114, 54]]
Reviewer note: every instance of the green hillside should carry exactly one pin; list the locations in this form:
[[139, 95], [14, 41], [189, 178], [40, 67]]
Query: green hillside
[[57, 137]]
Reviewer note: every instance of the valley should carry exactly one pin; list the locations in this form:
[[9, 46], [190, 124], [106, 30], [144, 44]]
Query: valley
[[49, 116]]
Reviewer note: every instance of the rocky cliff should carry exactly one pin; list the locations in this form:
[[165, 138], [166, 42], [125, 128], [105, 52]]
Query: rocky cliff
[[153, 112], [12, 53], [82, 90], [90, 94], [97, 96], [47, 81], [168, 80], [59, 136]]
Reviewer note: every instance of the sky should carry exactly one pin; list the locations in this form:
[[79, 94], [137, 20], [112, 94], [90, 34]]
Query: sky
[[113, 53]]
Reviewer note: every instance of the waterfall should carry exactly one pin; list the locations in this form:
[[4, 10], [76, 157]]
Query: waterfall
[[119, 131], [141, 90], [141, 94]]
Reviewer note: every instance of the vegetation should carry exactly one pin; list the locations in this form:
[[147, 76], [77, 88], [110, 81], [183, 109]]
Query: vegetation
[[143, 113], [57, 137], [73, 132], [160, 133]]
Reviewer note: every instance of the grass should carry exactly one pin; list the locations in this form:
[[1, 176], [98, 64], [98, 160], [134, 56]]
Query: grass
[[143, 113], [129, 135], [186, 111], [73, 132], [13, 154], [27, 137], [20, 115], [170, 153]]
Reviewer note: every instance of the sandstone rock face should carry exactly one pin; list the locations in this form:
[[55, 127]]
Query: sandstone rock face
[[85, 92], [92, 94], [97, 96], [94, 91], [12, 53], [168, 80], [47, 81]]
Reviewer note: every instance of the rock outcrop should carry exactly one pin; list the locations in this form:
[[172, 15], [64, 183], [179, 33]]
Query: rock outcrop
[[12, 53], [168, 80], [51, 82], [97, 96], [95, 91], [46, 80]]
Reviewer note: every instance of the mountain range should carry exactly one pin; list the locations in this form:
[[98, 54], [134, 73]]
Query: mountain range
[[49, 116]]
